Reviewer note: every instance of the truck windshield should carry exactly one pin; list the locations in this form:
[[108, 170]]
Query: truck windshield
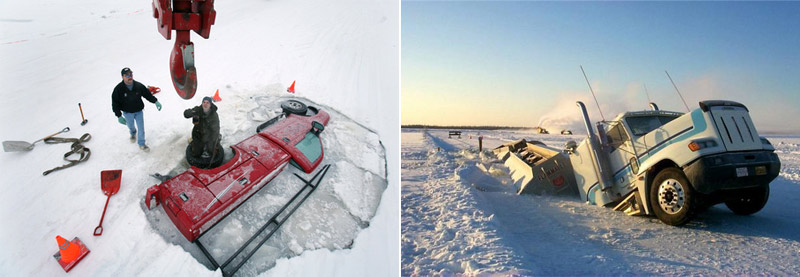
[[641, 125]]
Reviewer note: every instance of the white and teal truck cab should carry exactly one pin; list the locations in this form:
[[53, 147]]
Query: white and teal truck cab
[[672, 165]]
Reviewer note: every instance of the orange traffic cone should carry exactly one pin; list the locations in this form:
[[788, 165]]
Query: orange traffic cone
[[216, 96], [291, 88], [70, 252]]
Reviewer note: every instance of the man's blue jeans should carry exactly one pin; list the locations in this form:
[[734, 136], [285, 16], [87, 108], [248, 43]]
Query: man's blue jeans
[[138, 118]]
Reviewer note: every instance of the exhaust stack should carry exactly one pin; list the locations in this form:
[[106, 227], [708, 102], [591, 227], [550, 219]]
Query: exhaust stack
[[600, 161]]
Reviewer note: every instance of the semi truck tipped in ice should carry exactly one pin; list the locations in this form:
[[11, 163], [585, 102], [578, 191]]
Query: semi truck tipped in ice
[[670, 164]]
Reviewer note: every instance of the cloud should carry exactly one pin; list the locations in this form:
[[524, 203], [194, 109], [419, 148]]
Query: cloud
[[769, 116], [565, 114]]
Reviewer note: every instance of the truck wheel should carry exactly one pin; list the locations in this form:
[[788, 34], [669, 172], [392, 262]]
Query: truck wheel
[[294, 107], [749, 201], [672, 197]]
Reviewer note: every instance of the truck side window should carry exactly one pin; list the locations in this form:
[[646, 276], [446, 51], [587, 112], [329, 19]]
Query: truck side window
[[617, 136]]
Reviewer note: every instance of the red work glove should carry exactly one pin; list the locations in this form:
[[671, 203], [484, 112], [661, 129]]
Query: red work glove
[[154, 90]]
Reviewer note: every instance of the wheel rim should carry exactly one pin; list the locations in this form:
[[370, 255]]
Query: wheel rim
[[671, 196], [294, 105]]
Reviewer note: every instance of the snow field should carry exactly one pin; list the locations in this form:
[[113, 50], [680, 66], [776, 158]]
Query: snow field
[[788, 149], [55, 54], [561, 235], [443, 230]]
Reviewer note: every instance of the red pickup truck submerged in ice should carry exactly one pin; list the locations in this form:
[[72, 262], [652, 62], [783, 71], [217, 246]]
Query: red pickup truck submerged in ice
[[197, 199]]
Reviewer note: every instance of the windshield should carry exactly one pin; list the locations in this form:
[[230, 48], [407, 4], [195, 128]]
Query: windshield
[[641, 125]]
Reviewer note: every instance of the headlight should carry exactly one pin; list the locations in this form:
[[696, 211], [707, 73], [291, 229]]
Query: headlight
[[701, 144]]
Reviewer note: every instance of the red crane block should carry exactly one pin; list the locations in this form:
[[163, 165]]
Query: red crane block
[[184, 16]]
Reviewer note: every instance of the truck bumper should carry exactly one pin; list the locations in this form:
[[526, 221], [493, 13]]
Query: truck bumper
[[737, 170]]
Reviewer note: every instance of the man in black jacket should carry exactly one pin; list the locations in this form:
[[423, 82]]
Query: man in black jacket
[[126, 102], [205, 133]]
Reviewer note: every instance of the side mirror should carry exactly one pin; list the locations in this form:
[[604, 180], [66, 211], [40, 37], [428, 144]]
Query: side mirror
[[569, 148], [317, 127]]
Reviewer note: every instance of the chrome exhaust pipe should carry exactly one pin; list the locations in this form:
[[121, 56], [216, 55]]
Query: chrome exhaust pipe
[[586, 120], [600, 161]]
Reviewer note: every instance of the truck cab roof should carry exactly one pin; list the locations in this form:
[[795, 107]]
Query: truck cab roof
[[642, 122]]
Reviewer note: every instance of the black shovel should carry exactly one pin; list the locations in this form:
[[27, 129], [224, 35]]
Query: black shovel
[[13, 146]]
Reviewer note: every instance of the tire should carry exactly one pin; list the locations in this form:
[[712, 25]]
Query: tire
[[749, 201], [672, 197], [205, 163], [294, 107]]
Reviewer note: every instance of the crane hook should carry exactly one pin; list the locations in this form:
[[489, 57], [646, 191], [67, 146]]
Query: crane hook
[[184, 16], [181, 66]]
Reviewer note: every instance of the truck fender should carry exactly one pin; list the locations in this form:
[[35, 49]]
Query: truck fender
[[649, 175], [642, 187]]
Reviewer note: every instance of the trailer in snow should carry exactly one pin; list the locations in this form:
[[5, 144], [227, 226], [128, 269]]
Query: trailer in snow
[[673, 165], [536, 168]]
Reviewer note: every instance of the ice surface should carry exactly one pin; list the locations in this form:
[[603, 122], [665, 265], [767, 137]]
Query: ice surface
[[342, 205]]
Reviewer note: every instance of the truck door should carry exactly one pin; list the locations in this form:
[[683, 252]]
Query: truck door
[[620, 154]]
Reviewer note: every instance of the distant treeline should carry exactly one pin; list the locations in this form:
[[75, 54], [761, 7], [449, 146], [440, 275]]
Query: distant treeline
[[420, 126]]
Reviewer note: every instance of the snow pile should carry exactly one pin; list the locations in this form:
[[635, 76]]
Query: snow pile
[[445, 229], [453, 206]]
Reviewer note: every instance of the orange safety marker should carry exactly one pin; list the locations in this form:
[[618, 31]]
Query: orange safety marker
[[216, 97], [291, 88], [70, 253], [154, 90]]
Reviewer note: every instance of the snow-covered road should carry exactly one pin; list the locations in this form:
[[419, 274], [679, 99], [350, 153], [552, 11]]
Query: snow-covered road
[[457, 191]]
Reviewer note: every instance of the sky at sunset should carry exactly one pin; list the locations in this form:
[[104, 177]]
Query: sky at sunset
[[517, 63]]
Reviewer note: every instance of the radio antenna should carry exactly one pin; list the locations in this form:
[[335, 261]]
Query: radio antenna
[[679, 92], [595, 97], [648, 94]]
